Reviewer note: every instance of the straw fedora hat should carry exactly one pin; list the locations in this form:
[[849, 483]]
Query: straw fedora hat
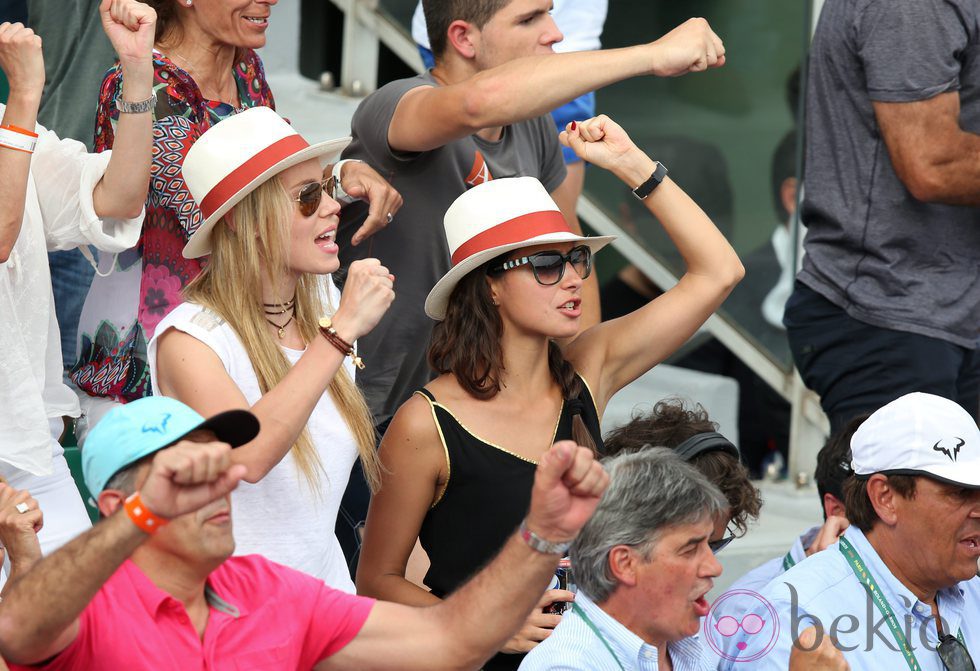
[[235, 156], [494, 218]]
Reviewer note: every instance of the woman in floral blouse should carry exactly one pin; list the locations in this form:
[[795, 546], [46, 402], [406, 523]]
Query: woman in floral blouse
[[205, 70]]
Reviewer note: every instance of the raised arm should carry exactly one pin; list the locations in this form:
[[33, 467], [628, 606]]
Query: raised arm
[[934, 157], [465, 629], [190, 371], [39, 616], [130, 26], [429, 117], [615, 353], [23, 65]]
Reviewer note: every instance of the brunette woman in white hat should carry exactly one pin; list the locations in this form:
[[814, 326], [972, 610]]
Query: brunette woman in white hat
[[459, 456], [258, 332]]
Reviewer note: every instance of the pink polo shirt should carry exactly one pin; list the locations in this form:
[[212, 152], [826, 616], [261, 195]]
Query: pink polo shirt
[[263, 617]]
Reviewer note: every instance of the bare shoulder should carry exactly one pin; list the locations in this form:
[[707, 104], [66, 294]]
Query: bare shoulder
[[412, 433]]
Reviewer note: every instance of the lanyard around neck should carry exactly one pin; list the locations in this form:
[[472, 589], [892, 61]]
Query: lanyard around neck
[[788, 561], [595, 630], [865, 578]]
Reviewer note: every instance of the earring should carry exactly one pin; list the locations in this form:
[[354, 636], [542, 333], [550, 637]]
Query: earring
[[190, 2]]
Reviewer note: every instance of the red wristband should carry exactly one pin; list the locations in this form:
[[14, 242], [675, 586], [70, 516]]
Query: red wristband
[[141, 516]]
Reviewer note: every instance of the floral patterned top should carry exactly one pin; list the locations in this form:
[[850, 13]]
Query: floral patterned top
[[123, 309]]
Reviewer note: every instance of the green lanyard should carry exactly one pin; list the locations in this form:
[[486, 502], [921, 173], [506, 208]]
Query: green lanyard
[[595, 630], [865, 578], [788, 561]]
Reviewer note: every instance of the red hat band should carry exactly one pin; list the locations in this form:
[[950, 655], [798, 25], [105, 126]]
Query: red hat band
[[524, 227], [241, 176]]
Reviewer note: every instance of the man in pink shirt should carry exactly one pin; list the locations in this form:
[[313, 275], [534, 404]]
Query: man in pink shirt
[[154, 585]]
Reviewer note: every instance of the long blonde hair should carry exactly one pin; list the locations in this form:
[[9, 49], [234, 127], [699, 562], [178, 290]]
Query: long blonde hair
[[231, 285]]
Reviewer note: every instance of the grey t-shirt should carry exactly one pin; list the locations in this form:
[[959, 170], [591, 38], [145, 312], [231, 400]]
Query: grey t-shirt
[[414, 245], [871, 248]]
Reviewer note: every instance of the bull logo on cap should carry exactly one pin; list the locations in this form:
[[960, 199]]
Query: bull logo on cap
[[945, 450], [160, 427]]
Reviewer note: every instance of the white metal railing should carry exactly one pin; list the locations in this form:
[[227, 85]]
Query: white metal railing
[[367, 26]]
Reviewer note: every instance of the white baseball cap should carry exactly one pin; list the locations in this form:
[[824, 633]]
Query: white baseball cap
[[919, 434]]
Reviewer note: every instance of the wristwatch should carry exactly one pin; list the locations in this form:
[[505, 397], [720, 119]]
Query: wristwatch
[[645, 189], [141, 107], [538, 544], [339, 194]]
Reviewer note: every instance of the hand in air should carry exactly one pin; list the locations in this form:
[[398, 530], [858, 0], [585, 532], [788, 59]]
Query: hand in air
[[368, 292], [568, 484], [600, 141], [130, 26], [188, 476], [21, 60]]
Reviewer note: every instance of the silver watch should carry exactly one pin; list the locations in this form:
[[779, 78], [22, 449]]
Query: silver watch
[[141, 107], [339, 194], [538, 544]]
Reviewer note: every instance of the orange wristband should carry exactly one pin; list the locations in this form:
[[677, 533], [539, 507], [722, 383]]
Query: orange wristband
[[142, 517]]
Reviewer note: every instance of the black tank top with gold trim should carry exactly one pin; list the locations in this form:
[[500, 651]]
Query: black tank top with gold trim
[[484, 501]]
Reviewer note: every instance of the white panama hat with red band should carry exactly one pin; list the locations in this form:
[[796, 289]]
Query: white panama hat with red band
[[237, 155], [494, 218]]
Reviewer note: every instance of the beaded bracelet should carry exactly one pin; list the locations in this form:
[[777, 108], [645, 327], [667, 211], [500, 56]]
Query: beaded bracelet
[[344, 347]]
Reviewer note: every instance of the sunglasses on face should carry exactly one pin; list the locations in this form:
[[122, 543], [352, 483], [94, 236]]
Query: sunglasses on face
[[311, 195], [722, 543], [954, 655], [549, 266]]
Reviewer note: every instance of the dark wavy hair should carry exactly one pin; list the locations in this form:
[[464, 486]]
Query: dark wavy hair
[[466, 343], [669, 425]]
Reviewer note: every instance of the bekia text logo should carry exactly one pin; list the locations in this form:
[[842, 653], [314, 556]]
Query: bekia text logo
[[741, 626]]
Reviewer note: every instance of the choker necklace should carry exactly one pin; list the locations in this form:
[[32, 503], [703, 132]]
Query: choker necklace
[[282, 328], [285, 307]]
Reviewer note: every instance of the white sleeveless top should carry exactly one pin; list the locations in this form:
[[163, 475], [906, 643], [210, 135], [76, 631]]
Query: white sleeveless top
[[278, 517]]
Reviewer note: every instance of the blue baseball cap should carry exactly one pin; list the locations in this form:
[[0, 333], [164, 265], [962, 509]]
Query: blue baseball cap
[[132, 431]]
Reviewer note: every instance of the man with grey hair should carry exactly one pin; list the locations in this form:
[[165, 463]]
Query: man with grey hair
[[643, 567]]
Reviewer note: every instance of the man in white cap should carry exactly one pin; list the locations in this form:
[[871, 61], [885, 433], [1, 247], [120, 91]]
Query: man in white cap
[[899, 589], [154, 586]]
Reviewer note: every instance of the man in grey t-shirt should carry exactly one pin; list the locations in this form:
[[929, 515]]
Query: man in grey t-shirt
[[888, 300], [479, 114]]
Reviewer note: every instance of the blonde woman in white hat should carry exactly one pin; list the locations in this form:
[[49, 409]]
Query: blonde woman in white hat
[[459, 456], [257, 332]]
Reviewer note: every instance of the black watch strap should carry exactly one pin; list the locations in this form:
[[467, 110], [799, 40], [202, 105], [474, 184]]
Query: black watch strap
[[645, 189]]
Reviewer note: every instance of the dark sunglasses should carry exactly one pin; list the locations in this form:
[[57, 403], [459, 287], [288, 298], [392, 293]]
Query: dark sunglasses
[[311, 195], [722, 543], [954, 655], [549, 266]]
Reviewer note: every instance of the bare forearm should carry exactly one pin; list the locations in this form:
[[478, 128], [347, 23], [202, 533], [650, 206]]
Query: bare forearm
[[397, 589], [15, 166], [529, 87], [122, 190], [44, 603], [954, 177], [284, 411], [508, 588]]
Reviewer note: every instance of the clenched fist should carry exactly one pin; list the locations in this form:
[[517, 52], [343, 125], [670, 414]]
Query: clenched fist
[[21, 60]]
